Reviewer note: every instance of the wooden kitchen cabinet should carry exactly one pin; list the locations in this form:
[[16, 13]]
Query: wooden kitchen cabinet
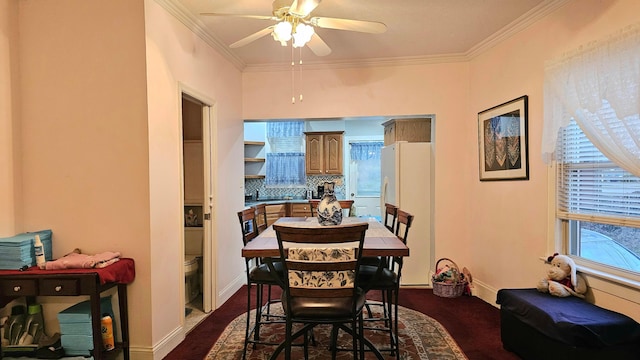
[[300, 210], [411, 130], [324, 153]]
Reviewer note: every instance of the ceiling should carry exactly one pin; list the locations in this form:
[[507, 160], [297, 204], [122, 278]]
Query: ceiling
[[417, 30]]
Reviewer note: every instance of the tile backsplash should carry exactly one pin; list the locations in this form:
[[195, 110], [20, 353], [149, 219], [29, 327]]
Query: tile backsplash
[[313, 181]]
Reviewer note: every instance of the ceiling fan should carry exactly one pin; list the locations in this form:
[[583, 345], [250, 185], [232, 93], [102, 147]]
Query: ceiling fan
[[294, 22]]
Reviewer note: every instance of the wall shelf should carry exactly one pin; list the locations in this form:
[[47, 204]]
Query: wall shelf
[[254, 159]]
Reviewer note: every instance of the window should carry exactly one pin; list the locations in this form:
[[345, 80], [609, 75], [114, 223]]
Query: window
[[366, 158], [599, 201], [285, 161], [592, 128]]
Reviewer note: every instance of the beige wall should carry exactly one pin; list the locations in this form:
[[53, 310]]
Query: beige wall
[[176, 57], [517, 225], [439, 89], [497, 229], [84, 135], [97, 145], [10, 181]]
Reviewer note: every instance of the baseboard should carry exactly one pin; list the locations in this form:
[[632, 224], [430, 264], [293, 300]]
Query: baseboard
[[484, 292], [159, 350], [228, 291]]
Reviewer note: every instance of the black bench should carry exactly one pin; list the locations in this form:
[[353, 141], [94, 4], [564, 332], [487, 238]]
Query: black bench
[[537, 325]]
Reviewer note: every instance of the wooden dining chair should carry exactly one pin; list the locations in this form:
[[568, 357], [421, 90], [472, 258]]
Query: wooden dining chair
[[344, 205], [390, 215], [386, 278], [313, 206], [347, 205], [261, 217], [259, 274], [321, 283]]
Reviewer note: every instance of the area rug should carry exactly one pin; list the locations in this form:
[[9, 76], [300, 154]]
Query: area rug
[[421, 337]]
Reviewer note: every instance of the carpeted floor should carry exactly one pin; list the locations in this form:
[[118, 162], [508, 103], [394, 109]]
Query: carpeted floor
[[473, 324], [421, 337]]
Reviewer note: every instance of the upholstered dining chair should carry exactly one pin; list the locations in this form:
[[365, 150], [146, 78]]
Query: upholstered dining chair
[[260, 274], [386, 278], [321, 285]]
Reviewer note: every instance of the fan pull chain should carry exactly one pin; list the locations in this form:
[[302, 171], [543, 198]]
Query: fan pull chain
[[301, 80], [293, 74]]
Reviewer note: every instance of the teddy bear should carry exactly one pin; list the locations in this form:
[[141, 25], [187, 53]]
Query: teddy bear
[[562, 280]]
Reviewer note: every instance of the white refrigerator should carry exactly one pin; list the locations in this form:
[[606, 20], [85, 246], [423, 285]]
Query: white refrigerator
[[407, 182]]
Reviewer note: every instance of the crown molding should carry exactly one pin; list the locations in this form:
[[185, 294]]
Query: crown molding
[[361, 63], [527, 19], [183, 15]]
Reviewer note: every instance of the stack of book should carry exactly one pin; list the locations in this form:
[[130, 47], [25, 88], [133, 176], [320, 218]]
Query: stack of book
[[76, 334], [17, 251]]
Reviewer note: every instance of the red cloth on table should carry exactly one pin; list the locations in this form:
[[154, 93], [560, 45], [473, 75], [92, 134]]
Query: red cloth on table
[[120, 272]]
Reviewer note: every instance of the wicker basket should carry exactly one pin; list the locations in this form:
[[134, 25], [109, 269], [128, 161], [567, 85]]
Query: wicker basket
[[449, 290]]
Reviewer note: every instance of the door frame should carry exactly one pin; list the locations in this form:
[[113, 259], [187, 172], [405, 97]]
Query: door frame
[[209, 240]]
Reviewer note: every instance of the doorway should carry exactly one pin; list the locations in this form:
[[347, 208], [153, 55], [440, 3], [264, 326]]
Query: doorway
[[196, 114], [363, 185]]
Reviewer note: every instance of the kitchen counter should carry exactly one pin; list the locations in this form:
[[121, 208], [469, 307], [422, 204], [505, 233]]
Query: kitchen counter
[[276, 201]]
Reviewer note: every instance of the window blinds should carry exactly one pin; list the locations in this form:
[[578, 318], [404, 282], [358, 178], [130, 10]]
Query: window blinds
[[590, 186]]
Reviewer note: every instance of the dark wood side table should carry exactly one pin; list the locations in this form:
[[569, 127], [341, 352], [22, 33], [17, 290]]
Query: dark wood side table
[[74, 282]]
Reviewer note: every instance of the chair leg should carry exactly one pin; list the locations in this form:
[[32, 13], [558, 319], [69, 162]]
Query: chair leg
[[256, 332], [288, 340], [333, 344], [395, 322], [246, 331], [390, 321]]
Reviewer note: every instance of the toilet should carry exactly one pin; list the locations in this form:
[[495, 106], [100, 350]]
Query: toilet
[[191, 280], [192, 256]]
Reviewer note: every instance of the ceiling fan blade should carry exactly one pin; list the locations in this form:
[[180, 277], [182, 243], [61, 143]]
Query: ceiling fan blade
[[303, 8], [318, 46], [253, 37], [372, 27], [259, 17]]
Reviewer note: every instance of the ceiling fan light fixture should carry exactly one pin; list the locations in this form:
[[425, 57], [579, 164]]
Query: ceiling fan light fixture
[[302, 35], [282, 32]]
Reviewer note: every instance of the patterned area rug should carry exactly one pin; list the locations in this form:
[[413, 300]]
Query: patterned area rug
[[421, 337]]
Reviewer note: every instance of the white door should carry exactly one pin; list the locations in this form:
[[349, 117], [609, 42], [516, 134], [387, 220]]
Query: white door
[[207, 210], [366, 198]]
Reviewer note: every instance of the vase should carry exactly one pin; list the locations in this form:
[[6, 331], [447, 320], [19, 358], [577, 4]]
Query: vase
[[329, 210]]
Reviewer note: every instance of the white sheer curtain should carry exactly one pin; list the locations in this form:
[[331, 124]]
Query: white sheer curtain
[[599, 86]]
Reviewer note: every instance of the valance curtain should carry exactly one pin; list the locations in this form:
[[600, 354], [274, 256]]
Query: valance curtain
[[599, 86], [286, 162], [280, 129], [366, 150], [285, 169]]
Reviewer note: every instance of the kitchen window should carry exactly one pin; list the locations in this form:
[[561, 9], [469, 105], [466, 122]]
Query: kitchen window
[[285, 162], [592, 128]]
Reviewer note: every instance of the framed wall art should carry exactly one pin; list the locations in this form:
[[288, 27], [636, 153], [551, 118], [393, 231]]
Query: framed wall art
[[502, 137]]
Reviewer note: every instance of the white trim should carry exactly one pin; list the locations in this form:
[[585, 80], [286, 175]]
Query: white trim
[[210, 240], [161, 349]]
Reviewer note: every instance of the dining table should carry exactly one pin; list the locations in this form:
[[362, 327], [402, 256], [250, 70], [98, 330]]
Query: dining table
[[378, 240]]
